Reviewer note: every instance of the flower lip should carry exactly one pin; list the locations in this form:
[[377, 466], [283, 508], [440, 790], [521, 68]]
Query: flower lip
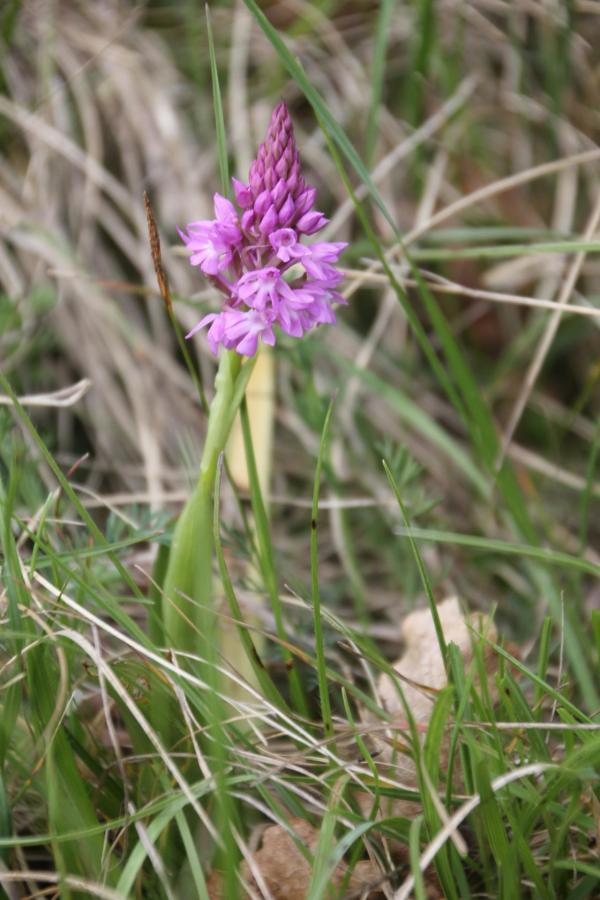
[[285, 243]]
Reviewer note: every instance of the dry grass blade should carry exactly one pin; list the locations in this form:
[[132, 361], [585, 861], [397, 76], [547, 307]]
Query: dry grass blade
[[443, 286], [161, 275], [71, 881], [62, 398]]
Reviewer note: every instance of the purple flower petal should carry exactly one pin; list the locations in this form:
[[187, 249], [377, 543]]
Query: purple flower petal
[[248, 219], [243, 193], [279, 193], [269, 221], [225, 210], [287, 211], [311, 222], [306, 200], [262, 203]]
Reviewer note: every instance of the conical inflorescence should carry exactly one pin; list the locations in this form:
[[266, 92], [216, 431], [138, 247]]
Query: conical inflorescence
[[254, 255]]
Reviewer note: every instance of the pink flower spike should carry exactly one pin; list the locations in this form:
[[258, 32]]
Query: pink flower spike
[[248, 248], [311, 222]]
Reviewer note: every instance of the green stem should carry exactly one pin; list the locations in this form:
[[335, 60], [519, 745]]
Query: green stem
[[187, 590]]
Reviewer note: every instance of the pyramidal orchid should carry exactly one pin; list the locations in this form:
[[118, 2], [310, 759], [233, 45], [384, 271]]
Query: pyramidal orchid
[[255, 253], [252, 251]]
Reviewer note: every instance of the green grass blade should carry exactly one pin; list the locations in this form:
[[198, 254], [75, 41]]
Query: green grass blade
[[267, 562], [420, 565], [382, 35], [312, 95], [414, 847], [315, 588], [509, 548], [260, 673], [218, 109]]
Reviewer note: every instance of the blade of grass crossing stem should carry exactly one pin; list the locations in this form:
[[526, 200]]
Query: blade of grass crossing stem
[[218, 109], [262, 676], [420, 566], [312, 95], [377, 75], [267, 562], [314, 576]]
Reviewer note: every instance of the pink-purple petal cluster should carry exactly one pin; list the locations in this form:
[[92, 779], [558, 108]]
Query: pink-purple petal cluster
[[255, 256]]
